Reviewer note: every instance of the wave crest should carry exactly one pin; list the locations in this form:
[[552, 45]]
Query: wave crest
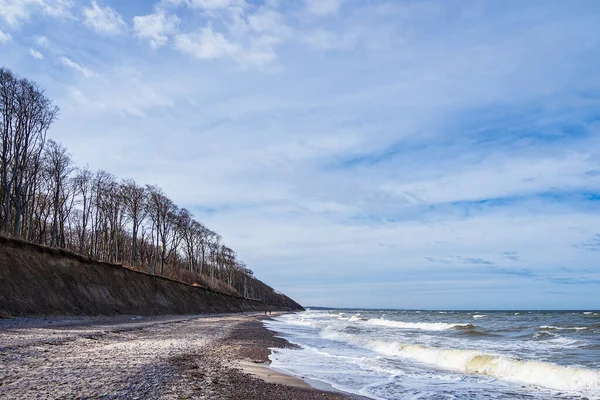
[[476, 362], [563, 328], [427, 326]]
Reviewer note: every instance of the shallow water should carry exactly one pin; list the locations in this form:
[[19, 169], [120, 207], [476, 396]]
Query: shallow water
[[446, 354]]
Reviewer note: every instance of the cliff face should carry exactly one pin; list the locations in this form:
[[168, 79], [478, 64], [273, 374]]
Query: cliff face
[[38, 280]]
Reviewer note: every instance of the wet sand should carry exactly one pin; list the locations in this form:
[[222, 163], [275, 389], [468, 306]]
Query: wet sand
[[129, 357]]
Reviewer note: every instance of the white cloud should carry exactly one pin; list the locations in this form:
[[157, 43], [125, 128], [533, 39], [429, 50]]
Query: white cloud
[[500, 178], [77, 67], [12, 11], [121, 91], [248, 38], [323, 7], [36, 54], [41, 41], [206, 45], [324, 40], [156, 27], [260, 51], [5, 37], [57, 8], [214, 4], [105, 20], [207, 5], [269, 21], [210, 45], [16, 11]]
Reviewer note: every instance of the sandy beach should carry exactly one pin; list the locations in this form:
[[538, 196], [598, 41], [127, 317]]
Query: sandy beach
[[133, 357]]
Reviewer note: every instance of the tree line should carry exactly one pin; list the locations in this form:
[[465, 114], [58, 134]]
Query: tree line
[[46, 199]]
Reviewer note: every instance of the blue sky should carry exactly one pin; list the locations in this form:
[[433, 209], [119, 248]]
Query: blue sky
[[419, 154]]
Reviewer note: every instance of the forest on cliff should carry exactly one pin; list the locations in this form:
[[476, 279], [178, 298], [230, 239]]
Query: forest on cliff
[[46, 199]]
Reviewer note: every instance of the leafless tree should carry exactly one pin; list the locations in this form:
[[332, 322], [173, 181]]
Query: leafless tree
[[82, 183], [134, 198], [57, 167], [163, 213], [26, 115]]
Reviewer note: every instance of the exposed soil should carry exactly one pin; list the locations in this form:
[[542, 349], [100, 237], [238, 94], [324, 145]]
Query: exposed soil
[[37, 280]]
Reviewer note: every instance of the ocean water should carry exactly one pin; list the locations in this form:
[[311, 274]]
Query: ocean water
[[445, 354]]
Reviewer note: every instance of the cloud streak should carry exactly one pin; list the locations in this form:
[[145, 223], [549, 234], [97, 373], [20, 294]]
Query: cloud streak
[[67, 62], [5, 37], [36, 54]]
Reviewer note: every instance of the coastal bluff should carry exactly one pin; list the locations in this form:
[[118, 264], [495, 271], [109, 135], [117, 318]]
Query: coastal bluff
[[38, 280]]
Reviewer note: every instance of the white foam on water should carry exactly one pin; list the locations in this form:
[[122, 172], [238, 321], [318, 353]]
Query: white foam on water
[[477, 362], [477, 316], [310, 319], [563, 342], [427, 326], [327, 354], [301, 322], [356, 318], [531, 372], [564, 328]]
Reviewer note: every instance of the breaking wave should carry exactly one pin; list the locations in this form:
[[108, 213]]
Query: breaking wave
[[566, 328], [355, 318], [476, 362], [531, 372], [427, 326]]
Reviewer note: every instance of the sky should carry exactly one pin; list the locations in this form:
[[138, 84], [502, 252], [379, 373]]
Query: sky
[[354, 153]]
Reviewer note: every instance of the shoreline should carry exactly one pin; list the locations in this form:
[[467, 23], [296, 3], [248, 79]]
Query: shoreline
[[133, 357], [246, 350], [266, 372]]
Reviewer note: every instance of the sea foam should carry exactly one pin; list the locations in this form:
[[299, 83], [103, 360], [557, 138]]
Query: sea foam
[[532, 372], [477, 362], [427, 326], [563, 328]]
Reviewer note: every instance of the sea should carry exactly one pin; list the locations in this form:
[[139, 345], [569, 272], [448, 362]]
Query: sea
[[419, 354]]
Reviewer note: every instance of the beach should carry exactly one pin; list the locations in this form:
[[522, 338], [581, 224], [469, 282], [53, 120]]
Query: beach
[[134, 357]]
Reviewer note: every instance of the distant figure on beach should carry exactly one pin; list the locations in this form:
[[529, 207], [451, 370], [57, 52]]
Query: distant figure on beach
[[269, 312], [265, 312]]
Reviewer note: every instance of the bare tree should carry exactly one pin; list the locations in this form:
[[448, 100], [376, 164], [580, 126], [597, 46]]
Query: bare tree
[[163, 213], [134, 198], [57, 167], [82, 183], [26, 116], [101, 188]]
